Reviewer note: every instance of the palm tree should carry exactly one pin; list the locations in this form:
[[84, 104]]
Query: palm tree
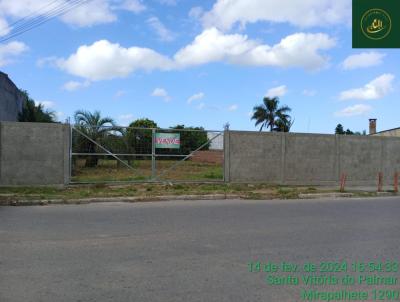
[[283, 125], [270, 115], [97, 128]]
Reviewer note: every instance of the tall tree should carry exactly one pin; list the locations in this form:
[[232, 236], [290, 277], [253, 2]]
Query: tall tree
[[34, 113], [139, 136], [191, 139], [144, 123], [283, 126], [271, 115], [339, 129], [95, 127]]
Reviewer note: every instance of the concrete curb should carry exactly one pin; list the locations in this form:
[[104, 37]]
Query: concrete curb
[[325, 195], [43, 202], [116, 199], [383, 194]]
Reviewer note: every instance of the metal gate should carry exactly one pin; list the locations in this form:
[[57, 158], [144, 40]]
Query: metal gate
[[127, 154]]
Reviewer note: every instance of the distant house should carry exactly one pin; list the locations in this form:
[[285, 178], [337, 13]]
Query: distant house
[[217, 140], [390, 132], [11, 99]]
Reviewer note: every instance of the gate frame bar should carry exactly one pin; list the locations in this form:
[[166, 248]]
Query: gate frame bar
[[153, 155]]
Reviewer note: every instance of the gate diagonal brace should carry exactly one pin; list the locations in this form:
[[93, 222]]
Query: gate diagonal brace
[[104, 149]]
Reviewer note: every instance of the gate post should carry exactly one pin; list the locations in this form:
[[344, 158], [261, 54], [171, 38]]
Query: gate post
[[71, 133], [153, 154], [226, 165]]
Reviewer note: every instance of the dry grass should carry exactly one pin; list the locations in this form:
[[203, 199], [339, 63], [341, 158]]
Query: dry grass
[[149, 190], [109, 170]]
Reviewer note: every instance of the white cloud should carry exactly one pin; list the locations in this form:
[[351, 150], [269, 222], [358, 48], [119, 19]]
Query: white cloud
[[91, 13], [196, 12], [225, 13], [47, 61], [119, 93], [125, 117], [194, 97], [233, 107], [59, 115], [363, 60], [201, 106], [376, 89], [46, 104], [359, 109], [308, 92], [161, 93], [297, 50], [135, 6], [11, 50], [75, 85], [277, 91], [169, 2], [22, 8], [4, 27], [163, 33], [88, 14], [104, 60], [212, 46]]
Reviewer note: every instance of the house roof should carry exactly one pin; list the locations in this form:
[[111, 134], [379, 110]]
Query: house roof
[[398, 128]]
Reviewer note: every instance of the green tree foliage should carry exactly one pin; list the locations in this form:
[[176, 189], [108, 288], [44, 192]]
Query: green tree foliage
[[339, 129], [34, 113], [144, 123], [139, 136], [283, 126], [191, 139], [270, 115], [100, 129]]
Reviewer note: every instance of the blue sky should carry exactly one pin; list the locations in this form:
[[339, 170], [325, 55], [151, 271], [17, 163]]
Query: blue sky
[[203, 63]]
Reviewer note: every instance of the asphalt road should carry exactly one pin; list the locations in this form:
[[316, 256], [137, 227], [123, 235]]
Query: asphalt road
[[186, 250]]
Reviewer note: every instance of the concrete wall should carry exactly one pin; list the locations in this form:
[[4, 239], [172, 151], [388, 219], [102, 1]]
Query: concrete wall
[[34, 154], [11, 99], [309, 159]]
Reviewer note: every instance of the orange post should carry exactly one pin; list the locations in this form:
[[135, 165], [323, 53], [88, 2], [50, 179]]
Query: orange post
[[396, 182], [342, 182], [380, 182]]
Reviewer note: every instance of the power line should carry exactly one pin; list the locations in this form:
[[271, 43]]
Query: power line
[[35, 13], [46, 15], [37, 16], [42, 18]]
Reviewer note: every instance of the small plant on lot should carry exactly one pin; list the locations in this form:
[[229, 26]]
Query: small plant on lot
[[213, 175], [178, 187], [287, 193]]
